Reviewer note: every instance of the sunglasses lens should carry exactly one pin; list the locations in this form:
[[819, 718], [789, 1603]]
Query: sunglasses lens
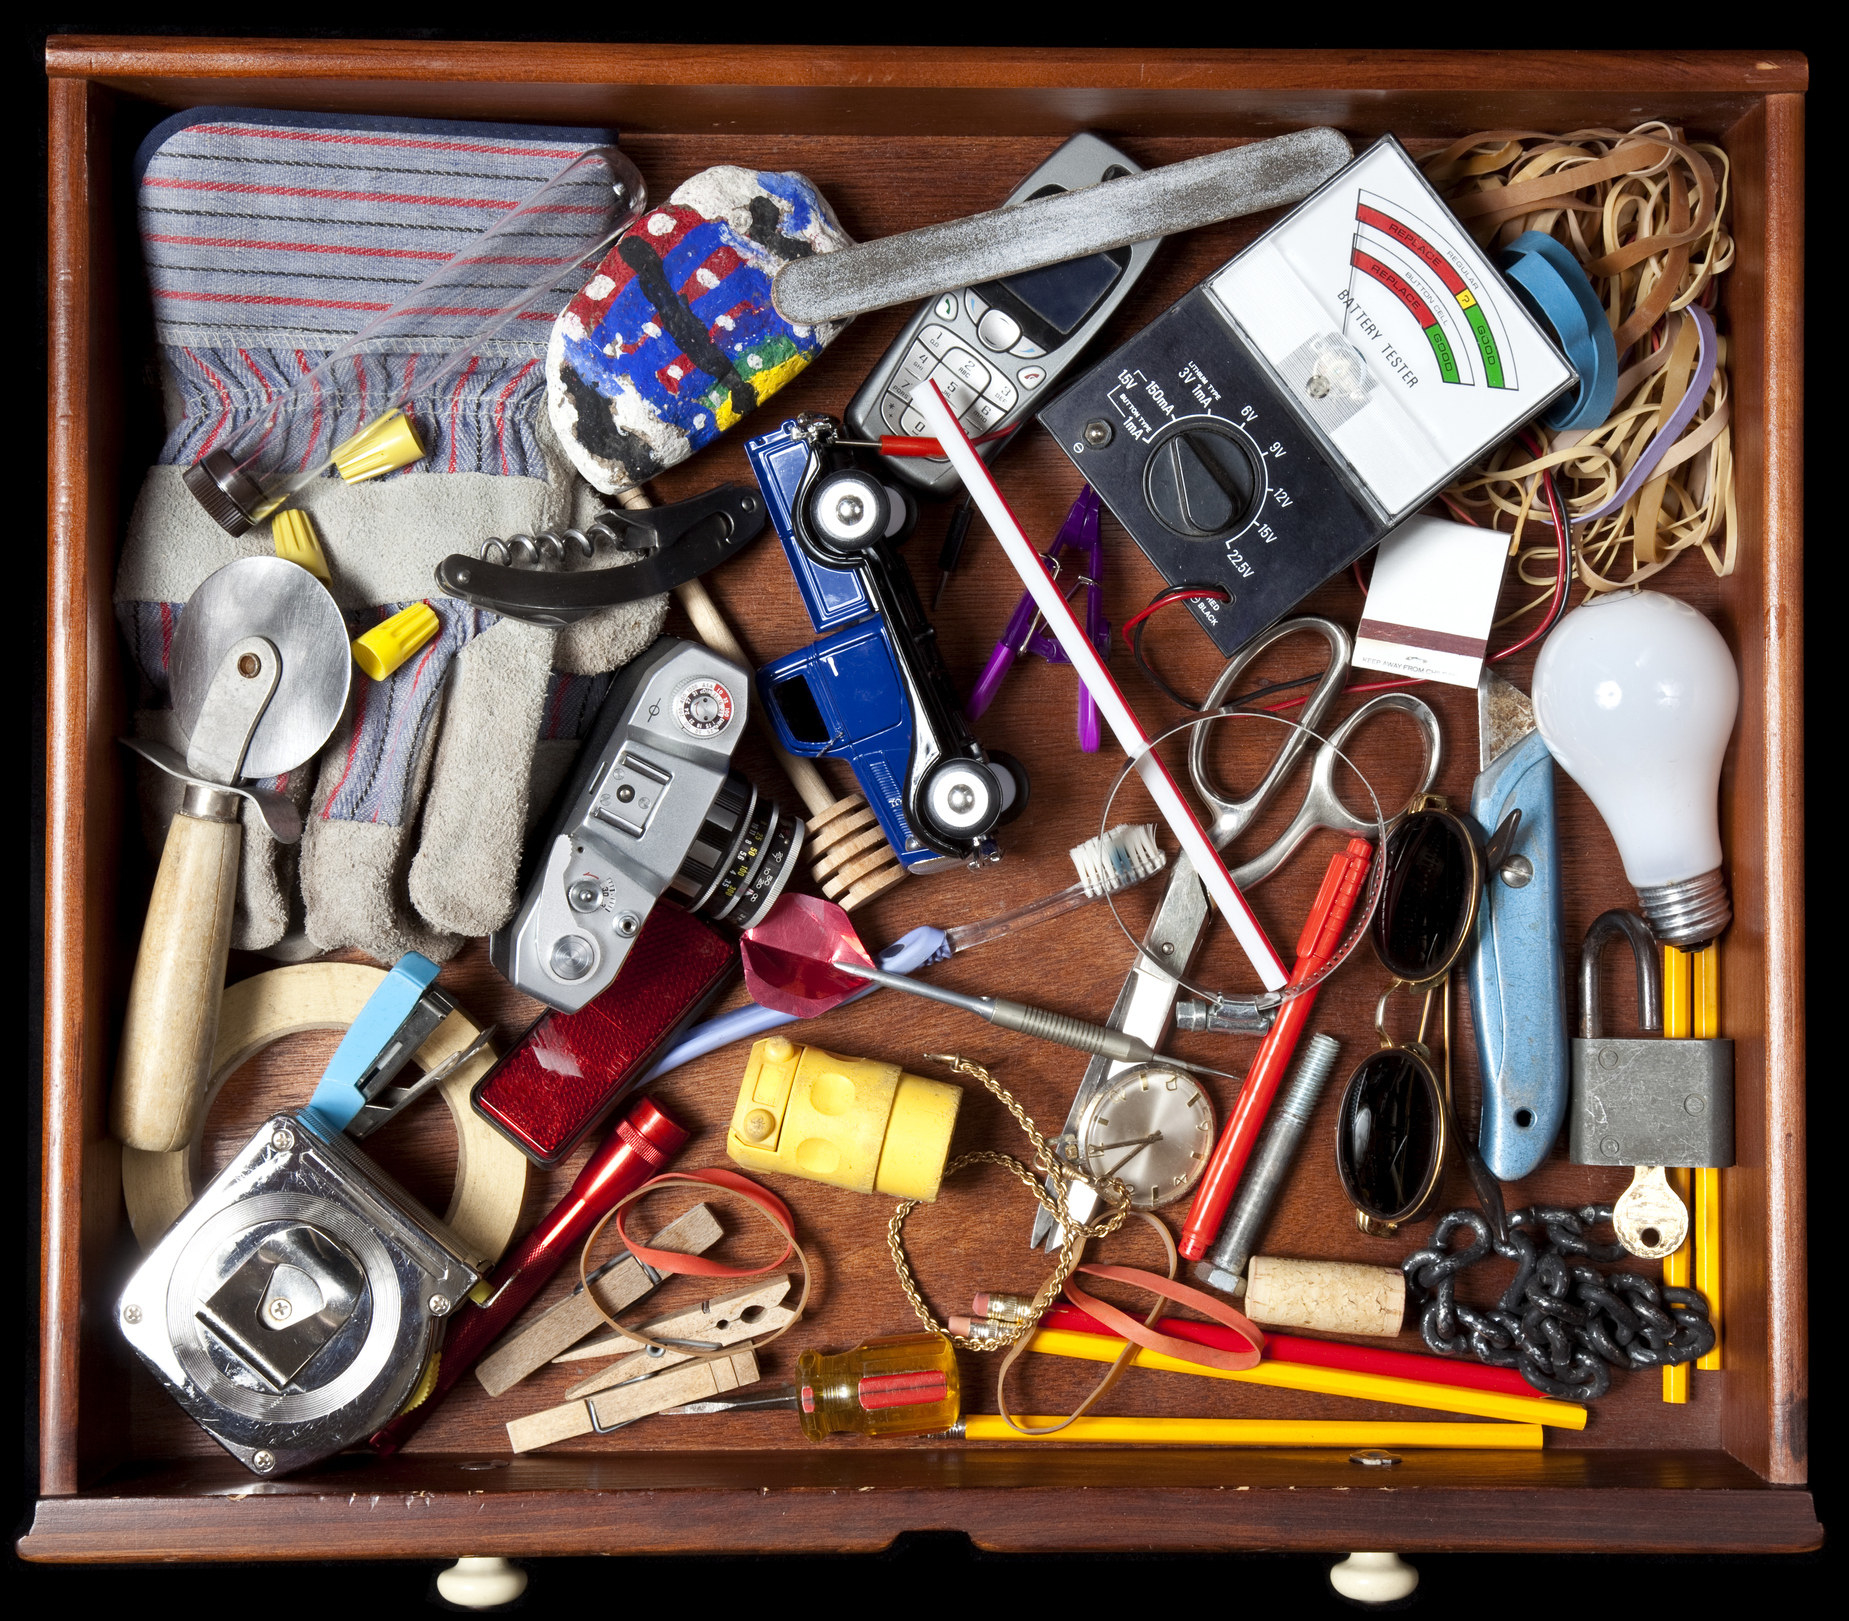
[[1389, 1136], [1425, 897]]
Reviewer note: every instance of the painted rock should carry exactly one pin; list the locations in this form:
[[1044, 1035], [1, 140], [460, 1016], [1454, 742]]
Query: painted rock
[[675, 337]]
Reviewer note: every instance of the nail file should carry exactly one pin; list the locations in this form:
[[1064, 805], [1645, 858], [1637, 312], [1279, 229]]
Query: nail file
[[1048, 230]]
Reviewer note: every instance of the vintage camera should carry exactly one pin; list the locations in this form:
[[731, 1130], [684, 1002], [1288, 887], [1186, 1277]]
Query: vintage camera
[[294, 1305], [654, 810]]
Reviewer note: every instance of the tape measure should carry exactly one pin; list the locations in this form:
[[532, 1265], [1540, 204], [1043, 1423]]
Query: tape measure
[[490, 1172]]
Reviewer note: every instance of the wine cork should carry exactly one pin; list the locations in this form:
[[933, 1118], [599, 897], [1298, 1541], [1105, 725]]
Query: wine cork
[[1338, 1297]]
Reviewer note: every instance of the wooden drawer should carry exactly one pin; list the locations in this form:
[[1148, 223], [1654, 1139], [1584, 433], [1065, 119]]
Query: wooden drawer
[[897, 138]]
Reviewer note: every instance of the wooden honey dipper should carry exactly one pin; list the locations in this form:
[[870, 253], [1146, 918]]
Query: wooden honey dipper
[[851, 858]]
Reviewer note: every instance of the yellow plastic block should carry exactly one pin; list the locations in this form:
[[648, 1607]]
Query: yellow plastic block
[[850, 1122], [383, 648], [294, 537], [383, 446]]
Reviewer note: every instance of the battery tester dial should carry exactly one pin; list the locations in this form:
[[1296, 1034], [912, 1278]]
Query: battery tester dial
[[1205, 477]]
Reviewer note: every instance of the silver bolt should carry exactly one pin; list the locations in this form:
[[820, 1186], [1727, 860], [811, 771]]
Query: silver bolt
[[1318, 388], [1098, 433], [961, 797], [584, 896], [1517, 872], [263, 1461], [1610, 1145], [1608, 1059], [1693, 1103], [280, 1309], [850, 509], [1168, 948], [131, 1314], [439, 1305], [282, 1139], [624, 794], [628, 924]]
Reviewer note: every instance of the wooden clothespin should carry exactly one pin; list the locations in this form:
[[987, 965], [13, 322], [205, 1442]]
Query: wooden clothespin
[[618, 1283], [723, 1320]]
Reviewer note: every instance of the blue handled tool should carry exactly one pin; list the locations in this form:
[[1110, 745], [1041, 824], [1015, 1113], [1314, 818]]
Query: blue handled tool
[[1518, 964], [356, 1093]]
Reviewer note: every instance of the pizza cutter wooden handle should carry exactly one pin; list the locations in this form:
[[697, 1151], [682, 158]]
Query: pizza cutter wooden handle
[[179, 978]]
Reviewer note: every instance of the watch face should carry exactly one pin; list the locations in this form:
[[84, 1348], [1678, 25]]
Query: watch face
[[1152, 1129]]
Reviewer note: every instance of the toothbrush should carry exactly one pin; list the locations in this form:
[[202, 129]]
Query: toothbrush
[[1107, 865]]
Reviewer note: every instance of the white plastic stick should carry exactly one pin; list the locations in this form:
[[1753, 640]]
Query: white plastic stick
[[941, 422]]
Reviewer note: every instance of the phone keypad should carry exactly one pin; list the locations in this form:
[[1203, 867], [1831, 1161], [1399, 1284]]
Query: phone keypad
[[978, 392]]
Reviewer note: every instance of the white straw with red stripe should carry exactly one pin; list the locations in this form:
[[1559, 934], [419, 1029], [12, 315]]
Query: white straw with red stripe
[[1176, 811]]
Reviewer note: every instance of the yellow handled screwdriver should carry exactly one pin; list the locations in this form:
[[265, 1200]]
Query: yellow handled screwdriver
[[905, 1385]]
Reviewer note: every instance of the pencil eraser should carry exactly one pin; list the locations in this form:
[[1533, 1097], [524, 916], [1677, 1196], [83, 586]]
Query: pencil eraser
[[675, 336], [979, 1307], [960, 1327]]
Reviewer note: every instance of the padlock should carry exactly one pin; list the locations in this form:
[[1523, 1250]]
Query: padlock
[[1646, 1102]]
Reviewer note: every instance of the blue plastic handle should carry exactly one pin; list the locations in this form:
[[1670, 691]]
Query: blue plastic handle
[[1518, 971], [338, 1099]]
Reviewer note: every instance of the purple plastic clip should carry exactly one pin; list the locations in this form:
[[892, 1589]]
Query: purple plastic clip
[[1027, 632]]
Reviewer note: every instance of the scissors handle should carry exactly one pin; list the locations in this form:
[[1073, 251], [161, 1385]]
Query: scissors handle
[[1232, 816], [1322, 806]]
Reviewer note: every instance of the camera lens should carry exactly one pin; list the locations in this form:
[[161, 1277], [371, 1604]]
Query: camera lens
[[741, 858]]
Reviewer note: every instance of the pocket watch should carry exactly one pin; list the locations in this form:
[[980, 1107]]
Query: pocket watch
[[1152, 1128]]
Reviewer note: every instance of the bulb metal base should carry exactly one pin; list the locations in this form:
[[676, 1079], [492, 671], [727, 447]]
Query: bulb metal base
[[1690, 912]]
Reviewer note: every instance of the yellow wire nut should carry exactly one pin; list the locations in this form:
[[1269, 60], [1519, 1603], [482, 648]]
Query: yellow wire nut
[[383, 446], [293, 534], [383, 648]]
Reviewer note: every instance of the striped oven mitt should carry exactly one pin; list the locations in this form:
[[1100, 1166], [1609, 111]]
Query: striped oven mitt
[[270, 238]]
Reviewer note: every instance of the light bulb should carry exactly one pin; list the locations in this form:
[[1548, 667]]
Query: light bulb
[[1635, 696]]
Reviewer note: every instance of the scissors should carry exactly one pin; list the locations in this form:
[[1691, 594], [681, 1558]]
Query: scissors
[[1146, 1003]]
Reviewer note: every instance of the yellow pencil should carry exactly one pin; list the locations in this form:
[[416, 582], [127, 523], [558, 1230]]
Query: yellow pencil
[[1260, 1432], [1707, 1024], [1329, 1382], [1678, 988]]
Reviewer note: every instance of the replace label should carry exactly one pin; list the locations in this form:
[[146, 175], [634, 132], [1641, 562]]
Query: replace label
[[1390, 330]]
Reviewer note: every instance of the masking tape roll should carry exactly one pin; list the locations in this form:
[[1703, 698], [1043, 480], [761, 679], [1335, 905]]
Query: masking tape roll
[[490, 1172]]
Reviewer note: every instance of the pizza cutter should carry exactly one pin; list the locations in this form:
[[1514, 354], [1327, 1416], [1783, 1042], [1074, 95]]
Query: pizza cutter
[[259, 677]]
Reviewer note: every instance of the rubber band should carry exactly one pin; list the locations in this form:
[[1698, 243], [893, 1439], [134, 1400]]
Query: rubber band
[[715, 1179], [1151, 1339], [1644, 212]]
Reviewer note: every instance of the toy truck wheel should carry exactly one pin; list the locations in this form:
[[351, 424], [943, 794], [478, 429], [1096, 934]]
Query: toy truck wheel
[[963, 799]]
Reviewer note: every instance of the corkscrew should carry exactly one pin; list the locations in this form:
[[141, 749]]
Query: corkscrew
[[527, 576], [552, 548]]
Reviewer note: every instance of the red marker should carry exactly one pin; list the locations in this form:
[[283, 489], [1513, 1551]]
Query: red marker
[[1335, 904]]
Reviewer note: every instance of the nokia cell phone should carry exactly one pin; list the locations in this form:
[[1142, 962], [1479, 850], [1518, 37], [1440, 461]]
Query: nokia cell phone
[[997, 349]]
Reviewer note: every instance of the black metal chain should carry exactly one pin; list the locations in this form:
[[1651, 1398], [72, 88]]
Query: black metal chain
[[1563, 1325]]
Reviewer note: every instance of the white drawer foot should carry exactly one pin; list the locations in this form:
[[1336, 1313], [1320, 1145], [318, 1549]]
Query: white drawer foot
[[1373, 1578], [485, 1584]]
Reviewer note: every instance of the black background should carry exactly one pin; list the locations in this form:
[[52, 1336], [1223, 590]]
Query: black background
[[939, 1571]]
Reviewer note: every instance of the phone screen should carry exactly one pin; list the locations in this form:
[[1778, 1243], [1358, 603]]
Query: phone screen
[[1063, 295], [1053, 301]]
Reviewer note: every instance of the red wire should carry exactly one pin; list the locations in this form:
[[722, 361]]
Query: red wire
[[1179, 594]]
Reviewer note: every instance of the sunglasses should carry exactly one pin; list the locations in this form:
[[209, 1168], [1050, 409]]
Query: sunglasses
[[1396, 1125]]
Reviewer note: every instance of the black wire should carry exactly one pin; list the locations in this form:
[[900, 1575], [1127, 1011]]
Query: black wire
[[1176, 594]]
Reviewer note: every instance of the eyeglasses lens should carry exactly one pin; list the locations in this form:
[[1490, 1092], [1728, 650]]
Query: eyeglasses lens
[[1425, 897], [1389, 1134]]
